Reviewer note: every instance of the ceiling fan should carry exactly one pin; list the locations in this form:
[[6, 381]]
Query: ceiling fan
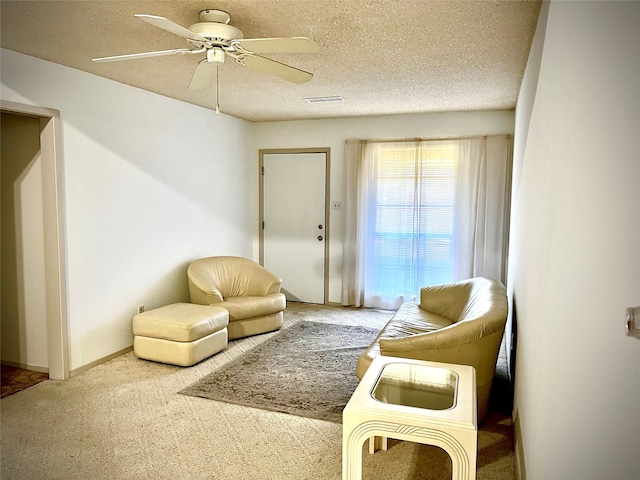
[[217, 39]]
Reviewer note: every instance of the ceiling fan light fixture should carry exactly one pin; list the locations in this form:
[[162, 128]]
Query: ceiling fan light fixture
[[331, 99], [215, 55]]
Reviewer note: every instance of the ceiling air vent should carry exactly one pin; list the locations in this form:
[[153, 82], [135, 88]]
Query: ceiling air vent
[[333, 99]]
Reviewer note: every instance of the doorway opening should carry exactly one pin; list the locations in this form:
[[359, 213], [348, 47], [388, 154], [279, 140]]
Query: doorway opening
[[49, 172]]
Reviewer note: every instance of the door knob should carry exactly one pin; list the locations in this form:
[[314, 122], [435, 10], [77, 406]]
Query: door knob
[[319, 227], [319, 238]]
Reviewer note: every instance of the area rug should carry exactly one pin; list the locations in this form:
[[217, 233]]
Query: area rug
[[17, 379], [307, 370]]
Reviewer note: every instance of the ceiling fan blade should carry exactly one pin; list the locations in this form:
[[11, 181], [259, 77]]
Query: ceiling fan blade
[[169, 26], [204, 76], [159, 53], [278, 45], [271, 67]]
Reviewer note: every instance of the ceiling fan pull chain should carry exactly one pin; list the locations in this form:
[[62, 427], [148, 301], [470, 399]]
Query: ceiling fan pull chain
[[217, 90]]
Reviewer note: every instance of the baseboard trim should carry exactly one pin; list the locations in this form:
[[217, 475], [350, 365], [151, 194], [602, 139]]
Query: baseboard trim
[[95, 363], [25, 366], [520, 470]]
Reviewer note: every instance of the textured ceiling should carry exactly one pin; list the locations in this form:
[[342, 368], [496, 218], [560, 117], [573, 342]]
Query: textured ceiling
[[382, 56]]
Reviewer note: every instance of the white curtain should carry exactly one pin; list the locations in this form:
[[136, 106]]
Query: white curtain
[[352, 263], [423, 212]]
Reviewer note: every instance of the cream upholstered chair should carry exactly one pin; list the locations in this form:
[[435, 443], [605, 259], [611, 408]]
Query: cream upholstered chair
[[461, 322], [248, 291]]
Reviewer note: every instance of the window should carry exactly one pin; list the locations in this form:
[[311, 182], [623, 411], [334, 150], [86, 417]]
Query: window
[[423, 212], [414, 219]]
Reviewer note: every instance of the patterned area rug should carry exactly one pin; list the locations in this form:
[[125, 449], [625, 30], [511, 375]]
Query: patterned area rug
[[307, 370], [15, 379]]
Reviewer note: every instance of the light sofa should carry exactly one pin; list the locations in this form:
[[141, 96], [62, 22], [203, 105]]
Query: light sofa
[[461, 323], [248, 291]]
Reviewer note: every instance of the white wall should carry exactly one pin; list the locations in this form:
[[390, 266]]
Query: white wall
[[151, 184], [332, 133], [575, 256]]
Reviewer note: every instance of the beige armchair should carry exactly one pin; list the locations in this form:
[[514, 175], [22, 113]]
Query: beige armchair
[[248, 291], [460, 323]]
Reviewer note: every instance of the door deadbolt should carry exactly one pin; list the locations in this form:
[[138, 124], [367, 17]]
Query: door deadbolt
[[319, 238], [319, 227]]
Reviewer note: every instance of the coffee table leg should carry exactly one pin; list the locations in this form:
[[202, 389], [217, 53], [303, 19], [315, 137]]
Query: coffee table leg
[[351, 451], [464, 463]]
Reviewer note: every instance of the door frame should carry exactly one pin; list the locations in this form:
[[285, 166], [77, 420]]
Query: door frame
[[327, 202], [54, 234]]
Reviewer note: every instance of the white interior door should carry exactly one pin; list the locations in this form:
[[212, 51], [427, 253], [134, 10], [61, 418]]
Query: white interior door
[[294, 229]]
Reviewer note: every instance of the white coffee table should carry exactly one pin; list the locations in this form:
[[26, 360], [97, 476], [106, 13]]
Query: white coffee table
[[425, 402]]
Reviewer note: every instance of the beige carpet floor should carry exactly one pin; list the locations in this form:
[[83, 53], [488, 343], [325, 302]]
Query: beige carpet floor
[[125, 420]]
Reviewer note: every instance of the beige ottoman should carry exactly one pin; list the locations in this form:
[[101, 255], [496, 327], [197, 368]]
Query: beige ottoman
[[180, 334]]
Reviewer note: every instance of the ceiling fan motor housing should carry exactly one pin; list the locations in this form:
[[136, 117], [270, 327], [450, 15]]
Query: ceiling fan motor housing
[[218, 33]]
